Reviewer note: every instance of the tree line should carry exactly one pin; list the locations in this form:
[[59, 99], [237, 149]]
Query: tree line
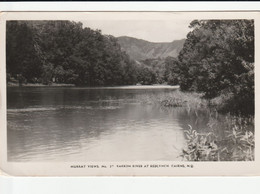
[[65, 52]]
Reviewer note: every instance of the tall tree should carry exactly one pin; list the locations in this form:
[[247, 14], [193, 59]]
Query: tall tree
[[218, 59], [21, 49]]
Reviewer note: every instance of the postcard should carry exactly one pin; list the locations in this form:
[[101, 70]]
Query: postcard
[[129, 93]]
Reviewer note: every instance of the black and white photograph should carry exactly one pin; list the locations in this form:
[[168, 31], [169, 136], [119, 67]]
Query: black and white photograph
[[130, 87]]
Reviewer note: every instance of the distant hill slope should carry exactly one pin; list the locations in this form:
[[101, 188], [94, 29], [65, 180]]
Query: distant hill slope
[[139, 49]]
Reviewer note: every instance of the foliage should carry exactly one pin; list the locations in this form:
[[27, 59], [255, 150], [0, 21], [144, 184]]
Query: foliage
[[65, 52], [200, 147], [157, 69], [145, 75], [21, 55], [172, 71], [237, 145], [218, 59]]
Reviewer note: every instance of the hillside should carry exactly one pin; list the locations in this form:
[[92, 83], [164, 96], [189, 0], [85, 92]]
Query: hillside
[[139, 49], [63, 52]]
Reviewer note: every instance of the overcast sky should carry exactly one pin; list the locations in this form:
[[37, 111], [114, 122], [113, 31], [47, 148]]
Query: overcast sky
[[150, 30]]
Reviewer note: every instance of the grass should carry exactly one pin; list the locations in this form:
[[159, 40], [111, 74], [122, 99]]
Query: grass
[[238, 144], [176, 99]]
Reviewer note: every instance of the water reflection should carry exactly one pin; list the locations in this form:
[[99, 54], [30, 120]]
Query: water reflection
[[70, 124]]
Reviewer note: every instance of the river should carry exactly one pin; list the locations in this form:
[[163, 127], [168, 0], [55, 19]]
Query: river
[[93, 124]]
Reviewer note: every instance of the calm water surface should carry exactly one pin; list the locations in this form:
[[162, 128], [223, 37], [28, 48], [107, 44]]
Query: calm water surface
[[84, 124]]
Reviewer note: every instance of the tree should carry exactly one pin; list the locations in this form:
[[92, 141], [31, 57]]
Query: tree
[[218, 59], [21, 57], [172, 71]]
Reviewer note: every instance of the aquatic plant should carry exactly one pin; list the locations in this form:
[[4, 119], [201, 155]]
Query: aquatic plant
[[241, 140], [189, 100], [200, 147], [237, 145]]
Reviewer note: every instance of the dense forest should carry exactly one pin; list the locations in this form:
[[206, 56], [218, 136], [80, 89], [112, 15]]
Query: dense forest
[[217, 59], [65, 52]]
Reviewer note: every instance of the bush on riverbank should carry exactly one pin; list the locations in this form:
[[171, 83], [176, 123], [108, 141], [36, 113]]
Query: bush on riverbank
[[189, 100], [238, 144]]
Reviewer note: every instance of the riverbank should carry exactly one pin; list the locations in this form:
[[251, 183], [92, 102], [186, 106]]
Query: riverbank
[[11, 84], [134, 87]]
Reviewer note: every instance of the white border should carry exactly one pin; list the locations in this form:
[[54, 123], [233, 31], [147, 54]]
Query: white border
[[131, 6], [198, 185]]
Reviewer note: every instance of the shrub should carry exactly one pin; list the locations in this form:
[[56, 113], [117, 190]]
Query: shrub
[[238, 144]]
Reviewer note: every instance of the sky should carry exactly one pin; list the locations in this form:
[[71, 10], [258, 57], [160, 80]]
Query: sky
[[150, 30]]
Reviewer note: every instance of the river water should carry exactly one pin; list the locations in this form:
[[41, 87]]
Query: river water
[[93, 124]]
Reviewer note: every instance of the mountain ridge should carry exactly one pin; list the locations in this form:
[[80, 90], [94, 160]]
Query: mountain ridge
[[139, 49]]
